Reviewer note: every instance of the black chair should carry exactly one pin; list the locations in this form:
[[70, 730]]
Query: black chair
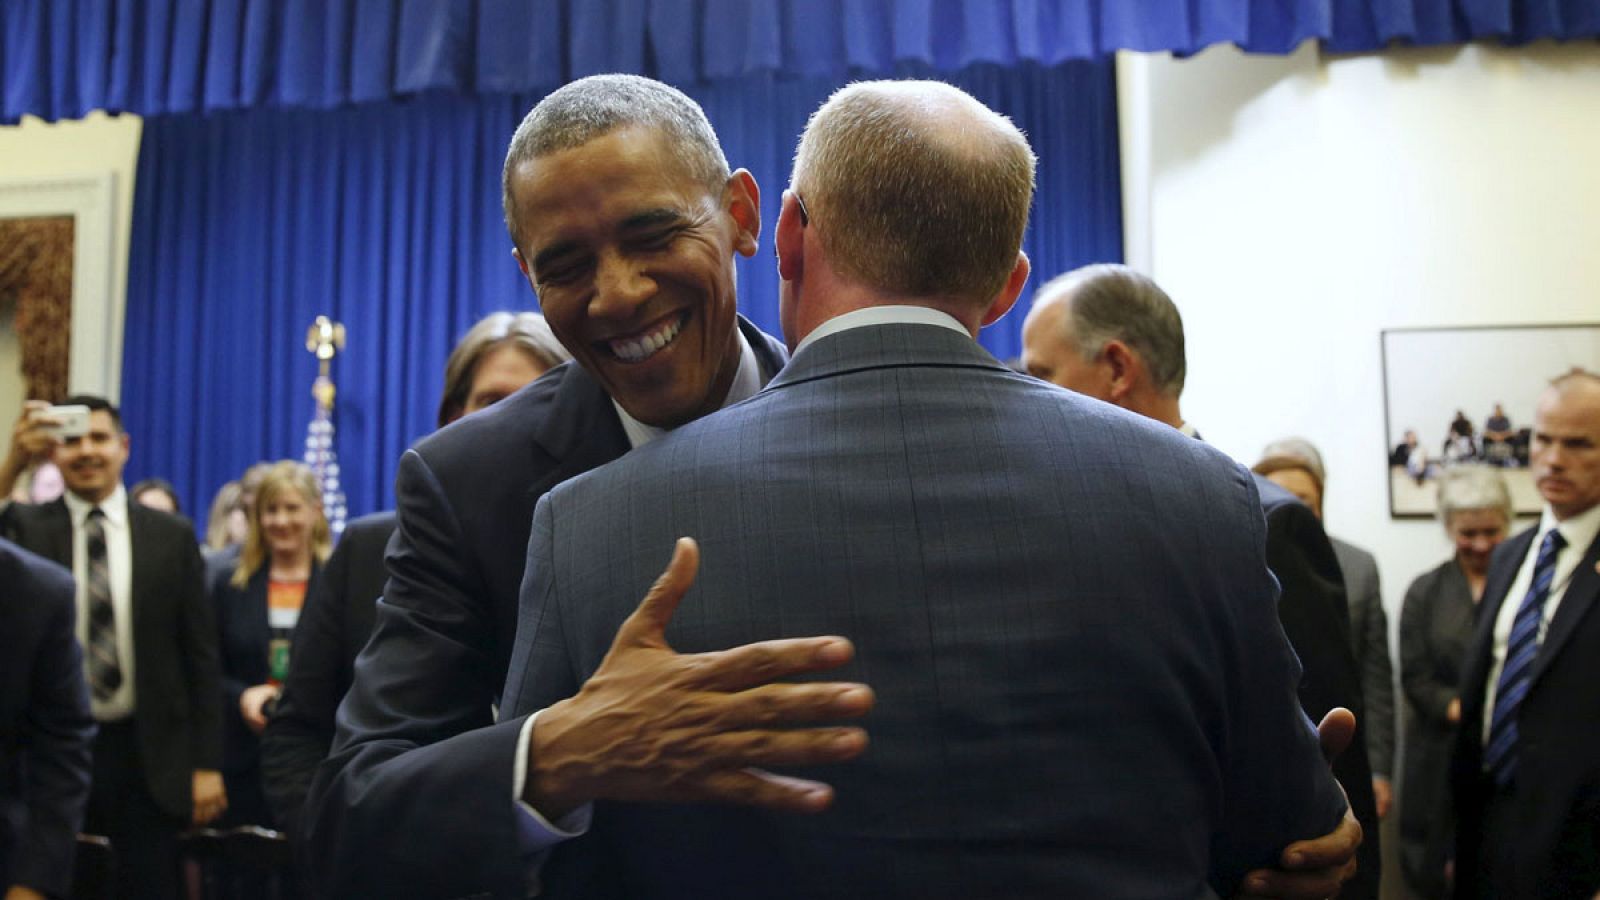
[[244, 863], [94, 869]]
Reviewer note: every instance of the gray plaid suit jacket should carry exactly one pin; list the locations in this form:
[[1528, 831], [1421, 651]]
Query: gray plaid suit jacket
[[1083, 689]]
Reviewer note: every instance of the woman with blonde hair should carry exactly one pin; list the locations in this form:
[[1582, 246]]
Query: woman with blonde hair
[[258, 604]]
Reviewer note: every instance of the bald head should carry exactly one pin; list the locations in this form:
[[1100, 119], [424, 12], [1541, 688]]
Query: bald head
[[1565, 454], [917, 189]]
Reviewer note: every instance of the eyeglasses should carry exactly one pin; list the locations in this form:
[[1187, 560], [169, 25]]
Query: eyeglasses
[[805, 217]]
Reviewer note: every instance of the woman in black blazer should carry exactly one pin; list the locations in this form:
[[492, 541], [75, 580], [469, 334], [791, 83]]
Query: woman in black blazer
[[1436, 626], [257, 605]]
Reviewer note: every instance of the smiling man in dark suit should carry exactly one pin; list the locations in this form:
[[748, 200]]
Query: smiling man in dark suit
[[150, 649], [1526, 772], [1061, 709]]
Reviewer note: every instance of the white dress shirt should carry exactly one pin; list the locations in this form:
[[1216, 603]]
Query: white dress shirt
[[1579, 531], [882, 315], [119, 562]]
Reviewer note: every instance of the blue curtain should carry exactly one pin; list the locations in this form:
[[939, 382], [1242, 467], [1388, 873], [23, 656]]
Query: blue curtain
[[386, 217], [63, 58]]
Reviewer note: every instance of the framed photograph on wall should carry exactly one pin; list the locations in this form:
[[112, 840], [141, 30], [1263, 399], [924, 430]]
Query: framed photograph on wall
[[1466, 396]]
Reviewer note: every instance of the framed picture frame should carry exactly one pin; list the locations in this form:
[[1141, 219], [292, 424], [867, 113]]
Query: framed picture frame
[[1466, 396], [95, 364]]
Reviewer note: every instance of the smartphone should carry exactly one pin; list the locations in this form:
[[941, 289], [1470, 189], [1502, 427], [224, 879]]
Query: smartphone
[[70, 421]]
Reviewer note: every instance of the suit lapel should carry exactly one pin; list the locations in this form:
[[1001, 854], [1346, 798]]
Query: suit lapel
[[1575, 604], [770, 353], [56, 530], [579, 430], [145, 563]]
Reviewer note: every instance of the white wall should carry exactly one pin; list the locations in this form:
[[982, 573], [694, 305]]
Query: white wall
[[94, 145], [1295, 206]]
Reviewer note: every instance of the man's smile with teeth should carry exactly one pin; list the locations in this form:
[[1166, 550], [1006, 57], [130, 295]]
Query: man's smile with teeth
[[643, 346]]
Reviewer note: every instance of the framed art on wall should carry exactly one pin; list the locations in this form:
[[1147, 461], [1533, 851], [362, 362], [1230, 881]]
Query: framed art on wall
[[1466, 396]]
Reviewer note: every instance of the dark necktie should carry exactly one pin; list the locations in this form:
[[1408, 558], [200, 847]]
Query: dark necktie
[[1522, 648], [105, 672]]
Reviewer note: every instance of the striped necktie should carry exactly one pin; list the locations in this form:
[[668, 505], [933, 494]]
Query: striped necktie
[[105, 672], [1522, 648]]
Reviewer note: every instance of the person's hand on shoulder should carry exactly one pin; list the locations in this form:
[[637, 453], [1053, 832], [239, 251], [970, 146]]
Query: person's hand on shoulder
[[655, 725]]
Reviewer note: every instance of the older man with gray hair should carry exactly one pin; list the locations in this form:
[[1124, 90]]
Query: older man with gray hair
[[1111, 333]]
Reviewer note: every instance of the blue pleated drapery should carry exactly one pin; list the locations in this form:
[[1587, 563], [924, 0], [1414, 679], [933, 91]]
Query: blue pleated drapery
[[386, 216], [63, 58]]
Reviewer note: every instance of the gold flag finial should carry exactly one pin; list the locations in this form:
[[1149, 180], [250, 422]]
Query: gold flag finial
[[325, 339]]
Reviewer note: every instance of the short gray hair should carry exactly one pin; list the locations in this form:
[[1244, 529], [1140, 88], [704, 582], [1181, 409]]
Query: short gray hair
[[577, 113], [1468, 488], [1300, 449], [1113, 302], [919, 190]]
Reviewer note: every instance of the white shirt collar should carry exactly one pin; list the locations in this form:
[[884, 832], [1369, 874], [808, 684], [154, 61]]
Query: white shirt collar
[[882, 315], [747, 382], [1579, 530], [115, 507]]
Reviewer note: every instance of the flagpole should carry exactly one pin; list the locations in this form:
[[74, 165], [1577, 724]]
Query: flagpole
[[325, 339]]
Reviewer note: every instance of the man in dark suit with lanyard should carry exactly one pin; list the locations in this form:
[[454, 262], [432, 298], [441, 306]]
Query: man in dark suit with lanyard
[[1526, 771], [150, 648]]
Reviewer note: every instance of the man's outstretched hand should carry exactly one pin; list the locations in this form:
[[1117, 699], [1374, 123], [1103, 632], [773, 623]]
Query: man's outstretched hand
[[1314, 869], [655, 725]]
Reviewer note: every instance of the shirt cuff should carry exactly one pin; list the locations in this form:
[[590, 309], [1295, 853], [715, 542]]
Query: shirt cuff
[[535, 832]]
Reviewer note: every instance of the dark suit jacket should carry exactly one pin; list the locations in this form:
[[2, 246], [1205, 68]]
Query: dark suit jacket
[[174, 640], [1316, 618], [1083, 689], [334, 625], [419, 768], [1369, 641], [1557, 792], [45, 728], [244, 636], [1436, 625]]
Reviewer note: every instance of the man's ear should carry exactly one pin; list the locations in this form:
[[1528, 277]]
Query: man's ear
[[1125, 368], [522, 265], [744, 205], [790, 238], [1003, 301]]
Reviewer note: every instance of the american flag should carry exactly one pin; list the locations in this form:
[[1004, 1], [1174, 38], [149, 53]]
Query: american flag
[[323, 459]]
